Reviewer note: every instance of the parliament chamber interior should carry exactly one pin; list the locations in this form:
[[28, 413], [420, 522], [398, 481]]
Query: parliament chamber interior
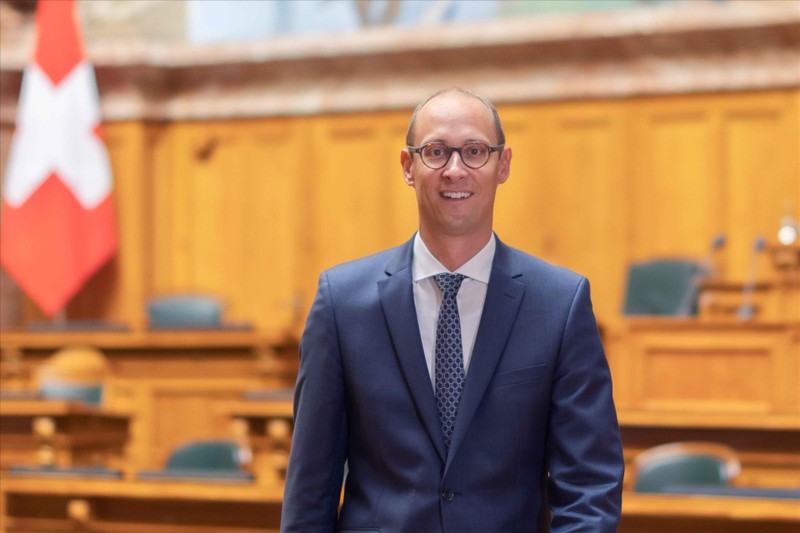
[[254, 144]]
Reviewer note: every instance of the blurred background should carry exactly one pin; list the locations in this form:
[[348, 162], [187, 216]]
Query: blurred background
[[255, 143]]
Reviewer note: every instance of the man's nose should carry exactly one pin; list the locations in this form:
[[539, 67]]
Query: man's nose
[[455, 167]]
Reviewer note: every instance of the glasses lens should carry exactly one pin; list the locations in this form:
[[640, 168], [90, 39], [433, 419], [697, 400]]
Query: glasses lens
[[435, 155], [475, 155]]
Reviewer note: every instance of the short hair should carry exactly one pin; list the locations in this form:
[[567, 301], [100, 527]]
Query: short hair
[[501, 136]]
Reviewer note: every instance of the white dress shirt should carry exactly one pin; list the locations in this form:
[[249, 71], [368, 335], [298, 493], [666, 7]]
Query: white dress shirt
[[470, 299]]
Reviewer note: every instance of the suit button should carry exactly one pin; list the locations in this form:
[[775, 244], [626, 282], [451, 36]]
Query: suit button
[[448, 495]]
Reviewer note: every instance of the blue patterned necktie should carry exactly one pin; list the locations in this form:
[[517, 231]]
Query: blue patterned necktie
[[449, 353]]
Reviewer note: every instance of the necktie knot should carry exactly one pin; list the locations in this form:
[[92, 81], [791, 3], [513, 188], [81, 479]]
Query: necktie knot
[[448, 283]]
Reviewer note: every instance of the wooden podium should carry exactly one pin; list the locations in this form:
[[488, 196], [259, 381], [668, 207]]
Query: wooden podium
[[776, 298], [59, 433], [725, 381]]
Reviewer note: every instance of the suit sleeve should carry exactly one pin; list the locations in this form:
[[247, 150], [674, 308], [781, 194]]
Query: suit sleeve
[[316, 461], [584, 446]]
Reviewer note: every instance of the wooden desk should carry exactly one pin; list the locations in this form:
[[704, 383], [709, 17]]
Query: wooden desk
[[745, 374], [119, 506], [170, 379], [46, 432], [662, 513], [265, 427], [770, 457], [180, 353], [730, 382], [775, 300]]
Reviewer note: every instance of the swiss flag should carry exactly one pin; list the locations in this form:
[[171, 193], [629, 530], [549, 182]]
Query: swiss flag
[[58, 226]]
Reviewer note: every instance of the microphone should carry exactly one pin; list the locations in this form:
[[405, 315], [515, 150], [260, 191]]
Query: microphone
[[709, 271], [692, 294], [717, 243], [746, 310]]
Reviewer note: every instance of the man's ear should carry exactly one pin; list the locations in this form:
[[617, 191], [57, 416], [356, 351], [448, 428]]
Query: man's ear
[[405, 161], [504, 170]]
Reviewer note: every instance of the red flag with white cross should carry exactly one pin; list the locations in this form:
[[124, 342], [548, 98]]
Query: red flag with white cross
[[58, 225]]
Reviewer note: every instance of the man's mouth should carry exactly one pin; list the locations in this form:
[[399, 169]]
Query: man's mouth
[[456, 195]]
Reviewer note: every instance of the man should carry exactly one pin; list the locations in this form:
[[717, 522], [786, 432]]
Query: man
[[462, 382]]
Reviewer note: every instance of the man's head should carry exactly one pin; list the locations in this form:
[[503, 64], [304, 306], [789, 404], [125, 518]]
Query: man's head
[[501, 136], [455, 190]]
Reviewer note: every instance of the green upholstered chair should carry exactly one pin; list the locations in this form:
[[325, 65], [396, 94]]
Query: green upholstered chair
[[184, 311], [683, 464], [207, 455], [91, 394], [663, 287], [210, 460], [75, 373]]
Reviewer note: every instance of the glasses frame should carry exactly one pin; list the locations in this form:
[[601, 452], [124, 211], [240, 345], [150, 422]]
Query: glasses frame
[[451, 149]]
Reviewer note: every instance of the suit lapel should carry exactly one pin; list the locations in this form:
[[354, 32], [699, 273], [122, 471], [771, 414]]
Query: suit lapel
[[503, 298], [397, 299]]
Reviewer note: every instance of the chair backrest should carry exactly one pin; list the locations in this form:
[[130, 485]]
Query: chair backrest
[[663, 287], [74, 373], [184, 311], [206, 455], [92, 394], [684, 464]]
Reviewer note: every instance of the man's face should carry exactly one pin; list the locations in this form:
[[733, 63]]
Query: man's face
[[455, 200]]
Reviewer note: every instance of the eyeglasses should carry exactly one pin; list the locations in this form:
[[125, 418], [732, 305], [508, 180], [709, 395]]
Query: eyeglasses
[[435, 155]]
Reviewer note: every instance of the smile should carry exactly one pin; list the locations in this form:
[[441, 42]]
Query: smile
[[456, 195]]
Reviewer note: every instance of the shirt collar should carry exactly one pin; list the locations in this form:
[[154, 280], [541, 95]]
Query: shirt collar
[[479, 267]]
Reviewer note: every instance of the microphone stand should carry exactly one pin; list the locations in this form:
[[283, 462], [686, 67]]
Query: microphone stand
[[747, 310]]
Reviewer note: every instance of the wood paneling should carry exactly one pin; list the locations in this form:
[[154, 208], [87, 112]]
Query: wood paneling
[[567, 199], [169, 381], [128, 506], [60, 433], [761, 173], [357, 168], [731, 383], [252, 210], [699, 370], [657, 513], [230, 217], [676, 178]]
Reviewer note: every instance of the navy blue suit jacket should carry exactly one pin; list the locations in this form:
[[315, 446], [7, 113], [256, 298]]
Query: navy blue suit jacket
[[536, 419]]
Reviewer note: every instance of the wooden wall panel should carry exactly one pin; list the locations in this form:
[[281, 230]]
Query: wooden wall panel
[[252, 210], [711, 374], [356, 171], [761, 175], [11, 301], [118, 289], [403, 222], [183, 411], [520, 217], [675, 179], [232, 218], [566, 198], [587, 198]]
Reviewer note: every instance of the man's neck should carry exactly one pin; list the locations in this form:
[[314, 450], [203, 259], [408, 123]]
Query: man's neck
[[453, 251]]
